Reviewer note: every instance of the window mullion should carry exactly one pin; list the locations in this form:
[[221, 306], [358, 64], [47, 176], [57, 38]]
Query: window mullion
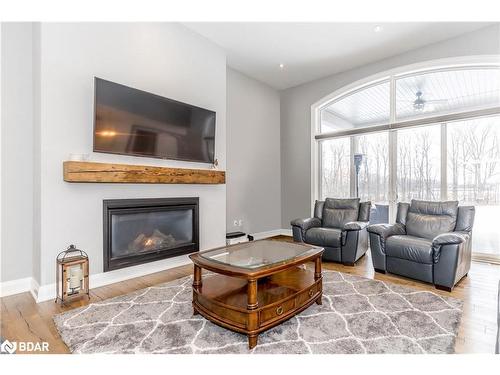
[[444, 162], [393, 162], [352, 169]]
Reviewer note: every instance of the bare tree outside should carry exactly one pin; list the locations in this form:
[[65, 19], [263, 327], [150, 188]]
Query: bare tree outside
[[474, 161], [373, 176], [419, 163], [335, 161], [474, 176]]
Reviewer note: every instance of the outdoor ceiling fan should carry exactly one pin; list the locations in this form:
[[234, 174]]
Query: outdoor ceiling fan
[[420, 103]]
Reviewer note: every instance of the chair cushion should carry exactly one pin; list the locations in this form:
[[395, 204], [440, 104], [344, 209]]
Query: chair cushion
[[338, 212], [415, 249], [430, 219], [330, 237]]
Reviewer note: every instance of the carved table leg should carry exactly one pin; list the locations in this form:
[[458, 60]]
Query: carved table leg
[[317, 276], [197, 277], [253, 317], [252, 303], [252, 341], [197, 283]]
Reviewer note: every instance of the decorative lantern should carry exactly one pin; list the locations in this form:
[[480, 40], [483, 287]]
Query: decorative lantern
[[72, 274]]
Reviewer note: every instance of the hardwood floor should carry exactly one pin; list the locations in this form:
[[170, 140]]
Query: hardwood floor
[[24, 320]]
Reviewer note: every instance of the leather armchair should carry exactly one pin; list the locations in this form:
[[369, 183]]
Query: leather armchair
[[430, 241], [338, 225]]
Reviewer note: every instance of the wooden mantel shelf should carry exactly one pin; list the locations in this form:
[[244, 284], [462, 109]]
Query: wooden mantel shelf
[[83, 171]]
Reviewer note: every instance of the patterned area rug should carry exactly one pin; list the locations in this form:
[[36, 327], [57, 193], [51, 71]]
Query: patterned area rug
[[358, 315]]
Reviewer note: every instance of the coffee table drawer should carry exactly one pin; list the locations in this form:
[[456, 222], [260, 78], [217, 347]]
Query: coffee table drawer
[[307, 294], [271, 313], [235, 317]]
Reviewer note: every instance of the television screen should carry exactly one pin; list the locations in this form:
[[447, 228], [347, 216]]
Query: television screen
[[133, 122]]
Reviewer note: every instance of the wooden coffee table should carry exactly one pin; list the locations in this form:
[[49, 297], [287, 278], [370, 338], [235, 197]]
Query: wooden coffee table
[[257, 285]]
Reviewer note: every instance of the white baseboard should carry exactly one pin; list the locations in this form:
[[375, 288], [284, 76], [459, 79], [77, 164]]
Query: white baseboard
[[35, 287], [8, 288], [272, 233], [47, 292]]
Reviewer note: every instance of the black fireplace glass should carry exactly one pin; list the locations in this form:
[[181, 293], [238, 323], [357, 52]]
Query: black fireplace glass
[[138, 233]]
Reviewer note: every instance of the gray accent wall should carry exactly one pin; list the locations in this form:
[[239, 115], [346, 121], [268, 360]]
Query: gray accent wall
[[17, 151], [253, 155], [296, 111]]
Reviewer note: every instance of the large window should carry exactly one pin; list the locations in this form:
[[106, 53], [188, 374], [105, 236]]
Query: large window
[[432, 135]]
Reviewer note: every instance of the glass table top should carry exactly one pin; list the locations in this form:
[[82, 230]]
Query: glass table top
[[256, 254]]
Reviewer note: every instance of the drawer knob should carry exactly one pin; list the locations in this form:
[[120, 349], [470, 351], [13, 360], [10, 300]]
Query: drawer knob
[[279, 310], [311, 292]]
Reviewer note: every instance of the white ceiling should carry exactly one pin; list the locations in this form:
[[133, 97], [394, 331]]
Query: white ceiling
[[313, 50]]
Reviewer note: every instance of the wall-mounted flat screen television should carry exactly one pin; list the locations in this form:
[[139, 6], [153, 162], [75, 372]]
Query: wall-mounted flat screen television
[[133, 122]]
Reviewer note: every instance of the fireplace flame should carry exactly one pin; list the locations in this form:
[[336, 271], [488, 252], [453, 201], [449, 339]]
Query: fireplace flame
[[156, 241]]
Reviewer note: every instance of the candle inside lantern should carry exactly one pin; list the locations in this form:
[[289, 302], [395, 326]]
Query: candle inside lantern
[[74, 282], [75, 277]]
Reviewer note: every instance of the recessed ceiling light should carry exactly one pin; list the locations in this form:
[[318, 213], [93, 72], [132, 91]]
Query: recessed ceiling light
[[378, 28], [282, 66]]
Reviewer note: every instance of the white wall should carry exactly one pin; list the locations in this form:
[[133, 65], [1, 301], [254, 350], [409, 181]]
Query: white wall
[[17, 151], [165, 59], [296, 111], [37, 154], [253, 155]]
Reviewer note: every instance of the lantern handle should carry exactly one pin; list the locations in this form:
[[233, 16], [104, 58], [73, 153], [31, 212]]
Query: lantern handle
[[71, 249]]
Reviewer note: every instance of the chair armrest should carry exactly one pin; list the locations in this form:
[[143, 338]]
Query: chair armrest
[[306, 224], [301, 226], [449, 238], [386, 230], [355, 225]]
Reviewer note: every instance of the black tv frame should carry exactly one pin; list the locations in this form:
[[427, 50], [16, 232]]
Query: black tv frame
[[141, 155]]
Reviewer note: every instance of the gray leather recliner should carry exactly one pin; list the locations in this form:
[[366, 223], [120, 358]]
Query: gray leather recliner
[[430, 241], [338, 225]]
